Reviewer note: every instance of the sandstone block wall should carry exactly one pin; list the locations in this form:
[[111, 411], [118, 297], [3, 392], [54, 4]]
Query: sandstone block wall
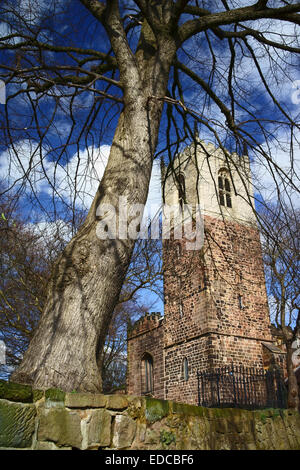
[[224, 315], [211, 283], [53, 420], [146, 338]]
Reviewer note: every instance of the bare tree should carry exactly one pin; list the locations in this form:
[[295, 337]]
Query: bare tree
[[115, 68], [114, 361], [281, 248], [24, 275], [27, 252]]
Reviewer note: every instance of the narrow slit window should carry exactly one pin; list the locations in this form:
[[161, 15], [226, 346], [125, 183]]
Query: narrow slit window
[[180, 310], [185, 369]]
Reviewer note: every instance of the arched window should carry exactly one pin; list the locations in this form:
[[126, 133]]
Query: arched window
[[147, 374], [185, 369], [224, 188], [181, 189]]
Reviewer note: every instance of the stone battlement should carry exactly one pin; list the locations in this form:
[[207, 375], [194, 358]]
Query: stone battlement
[[205, 149], [145, 323]]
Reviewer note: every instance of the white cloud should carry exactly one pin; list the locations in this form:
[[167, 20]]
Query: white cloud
[[19, 161], [4, 29], [278, 177], [27, 164], [81, 176], [52, 236], [52, 230], [32, 11]]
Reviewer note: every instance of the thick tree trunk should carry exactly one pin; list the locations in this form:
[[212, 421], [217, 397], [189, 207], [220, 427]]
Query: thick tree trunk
[[293, 391], [87, 279], [289, 337]]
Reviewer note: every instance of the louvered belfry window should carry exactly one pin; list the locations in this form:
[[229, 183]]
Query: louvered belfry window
[[224, 189], [181, 189]]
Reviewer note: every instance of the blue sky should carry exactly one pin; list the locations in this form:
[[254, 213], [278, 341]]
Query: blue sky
[[78, 167]]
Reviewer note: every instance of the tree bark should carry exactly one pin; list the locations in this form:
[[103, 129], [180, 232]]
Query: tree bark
[[88, 277], [293, 390]]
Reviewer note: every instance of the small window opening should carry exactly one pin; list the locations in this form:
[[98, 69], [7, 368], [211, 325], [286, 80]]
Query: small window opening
[[185, 369], [180, 310]]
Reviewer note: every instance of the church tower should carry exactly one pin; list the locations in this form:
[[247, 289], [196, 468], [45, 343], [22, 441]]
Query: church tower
[[216, 310]]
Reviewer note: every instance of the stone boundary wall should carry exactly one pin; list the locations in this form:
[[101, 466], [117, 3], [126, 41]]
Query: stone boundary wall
[[54, 420]]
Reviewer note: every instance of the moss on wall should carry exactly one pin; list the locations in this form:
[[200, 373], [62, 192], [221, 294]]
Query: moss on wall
[[53, 420]]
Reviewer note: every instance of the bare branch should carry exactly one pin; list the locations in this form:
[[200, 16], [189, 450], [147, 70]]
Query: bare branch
[[96, 7], [213, 20]]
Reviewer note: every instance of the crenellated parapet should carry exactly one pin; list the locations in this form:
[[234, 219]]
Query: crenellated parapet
[[147, 322]]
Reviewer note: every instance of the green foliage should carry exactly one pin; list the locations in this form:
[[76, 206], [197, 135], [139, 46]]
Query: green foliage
[[167, 437], [156, 409]]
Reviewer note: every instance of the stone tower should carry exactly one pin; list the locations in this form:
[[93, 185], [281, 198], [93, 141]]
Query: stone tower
[[216, 309]]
